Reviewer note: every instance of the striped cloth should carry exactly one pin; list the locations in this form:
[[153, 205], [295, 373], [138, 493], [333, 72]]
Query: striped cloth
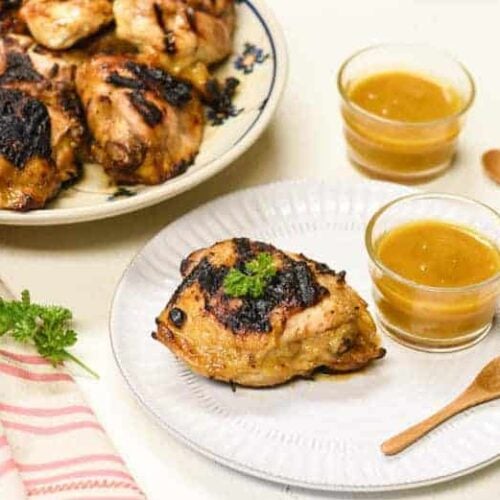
[[51, 444]]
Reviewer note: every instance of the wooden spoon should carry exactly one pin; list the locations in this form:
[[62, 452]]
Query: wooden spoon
[[491, 163], [485, 387]]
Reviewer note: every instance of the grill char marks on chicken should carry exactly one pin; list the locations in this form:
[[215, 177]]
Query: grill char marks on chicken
[[184, 36], [59, 24], [307, 318], [19, 68], [23, 60], [176, 92], [24, 128], [22, 79], [28, 177], [292, 289], [149, 112], [146, 125]]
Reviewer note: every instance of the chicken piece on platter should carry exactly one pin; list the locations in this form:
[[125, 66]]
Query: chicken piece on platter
[[186, 32], [306, 318], [146, 125], [184, 37], [59, 24], [41, 127], [28, 176]]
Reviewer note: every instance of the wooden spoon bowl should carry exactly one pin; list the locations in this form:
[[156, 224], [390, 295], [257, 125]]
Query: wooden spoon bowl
[[489, 377], [491, 163]]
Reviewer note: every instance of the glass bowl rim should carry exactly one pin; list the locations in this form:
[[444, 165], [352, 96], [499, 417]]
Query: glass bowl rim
[[347, 102], [413, 284]]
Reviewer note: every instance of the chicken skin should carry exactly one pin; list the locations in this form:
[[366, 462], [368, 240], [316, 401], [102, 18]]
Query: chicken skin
[[307, 318], [186, 35], [146, 125], [41, 126], [59, 24], [186, 30]]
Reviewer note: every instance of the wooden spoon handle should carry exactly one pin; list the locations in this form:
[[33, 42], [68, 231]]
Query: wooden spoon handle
[[401, 441]]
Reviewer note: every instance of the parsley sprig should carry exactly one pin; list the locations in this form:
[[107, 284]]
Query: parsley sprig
[[253, 281], [48, 328]]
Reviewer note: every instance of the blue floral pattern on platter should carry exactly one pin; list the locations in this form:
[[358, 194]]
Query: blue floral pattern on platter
[[121, 192], [244, 62], [251, 56]]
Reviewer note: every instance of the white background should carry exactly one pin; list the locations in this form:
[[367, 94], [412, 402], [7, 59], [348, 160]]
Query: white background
[[80, 265]]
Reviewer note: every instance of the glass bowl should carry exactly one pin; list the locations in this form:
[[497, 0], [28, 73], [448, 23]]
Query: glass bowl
[[425, 317], [403, 150]]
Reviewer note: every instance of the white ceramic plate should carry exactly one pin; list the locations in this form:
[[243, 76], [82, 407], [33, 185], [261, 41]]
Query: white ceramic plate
[[321, 434], [259, 62]]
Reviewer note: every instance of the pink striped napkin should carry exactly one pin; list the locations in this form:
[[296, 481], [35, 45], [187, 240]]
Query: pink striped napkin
[[51, 444]]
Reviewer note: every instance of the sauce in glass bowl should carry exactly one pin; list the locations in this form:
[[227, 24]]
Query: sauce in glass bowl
[[436, 280], [405, 96], [403, 108], [439, 254]]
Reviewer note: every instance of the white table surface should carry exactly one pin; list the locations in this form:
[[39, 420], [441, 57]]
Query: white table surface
[[79, 265]]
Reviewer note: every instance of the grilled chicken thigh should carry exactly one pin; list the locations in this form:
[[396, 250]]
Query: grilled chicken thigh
[[186, 30], [59, 24], [146, 125], [307, 318], [41, 126], [186, 36], [28, 176]]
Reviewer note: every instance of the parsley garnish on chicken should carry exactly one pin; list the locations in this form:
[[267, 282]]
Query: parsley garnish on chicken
[[253, 281]]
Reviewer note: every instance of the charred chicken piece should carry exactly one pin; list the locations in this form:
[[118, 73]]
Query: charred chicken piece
[[146, 125], [59, 24], [184, 37], [184, 31], [28, 176], [307, 318], [42, 129]]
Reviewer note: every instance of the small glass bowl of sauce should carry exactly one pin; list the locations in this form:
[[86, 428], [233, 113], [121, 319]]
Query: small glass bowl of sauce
[[403, 108], [435, 268]]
